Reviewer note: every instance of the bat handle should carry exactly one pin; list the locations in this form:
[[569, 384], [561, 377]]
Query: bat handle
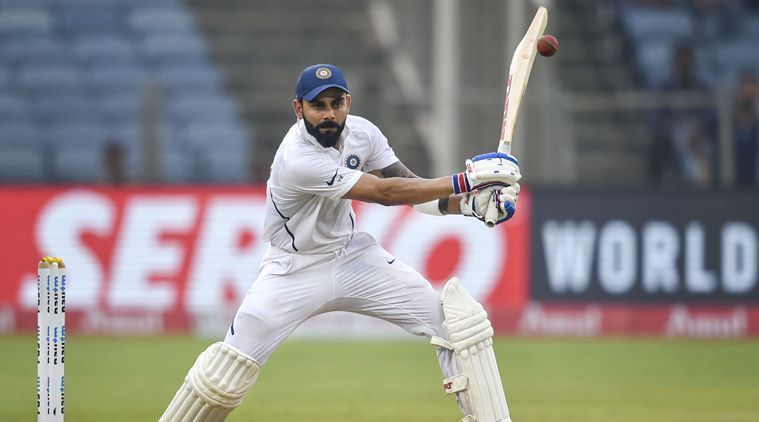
[[504, 147], [491, 214]]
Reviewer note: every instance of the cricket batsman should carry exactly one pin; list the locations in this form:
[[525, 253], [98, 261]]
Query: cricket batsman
[[317, 262]]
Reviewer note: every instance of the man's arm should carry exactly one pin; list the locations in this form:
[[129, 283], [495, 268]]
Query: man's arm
[[399, 190], [446, 205]]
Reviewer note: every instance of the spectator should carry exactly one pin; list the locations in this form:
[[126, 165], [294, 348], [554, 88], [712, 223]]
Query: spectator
[[746, 130], [114, 160], [684, 146]]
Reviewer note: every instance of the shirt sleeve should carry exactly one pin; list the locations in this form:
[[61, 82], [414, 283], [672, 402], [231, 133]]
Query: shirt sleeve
[[318, 175], [382, 154]]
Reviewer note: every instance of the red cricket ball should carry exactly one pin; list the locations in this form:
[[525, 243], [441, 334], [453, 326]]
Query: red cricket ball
[[548, 45]]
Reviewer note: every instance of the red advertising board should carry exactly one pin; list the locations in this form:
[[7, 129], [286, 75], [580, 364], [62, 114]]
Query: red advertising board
[[160, 259], [151, 260]]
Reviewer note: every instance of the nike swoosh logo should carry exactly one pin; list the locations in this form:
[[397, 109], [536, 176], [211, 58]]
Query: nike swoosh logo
[[332, 182], [391, 261]]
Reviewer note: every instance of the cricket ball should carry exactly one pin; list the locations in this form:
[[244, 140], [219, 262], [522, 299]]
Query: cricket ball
[[548, 45]]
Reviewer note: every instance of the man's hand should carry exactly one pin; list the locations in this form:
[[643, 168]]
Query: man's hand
[[498, 203], [495, 168]]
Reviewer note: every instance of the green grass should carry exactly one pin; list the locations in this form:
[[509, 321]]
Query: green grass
[[132, 379]]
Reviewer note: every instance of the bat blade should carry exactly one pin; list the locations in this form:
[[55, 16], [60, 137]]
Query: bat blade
[[516, 84], [519, 74]]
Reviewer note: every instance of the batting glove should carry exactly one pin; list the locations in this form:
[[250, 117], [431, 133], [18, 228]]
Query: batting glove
[[495, 168]]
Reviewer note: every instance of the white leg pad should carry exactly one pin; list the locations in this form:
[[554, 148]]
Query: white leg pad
[[214, 386], [478, 387]]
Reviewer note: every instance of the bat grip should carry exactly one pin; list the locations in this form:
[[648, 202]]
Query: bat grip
[[504, 147], [491, 214]]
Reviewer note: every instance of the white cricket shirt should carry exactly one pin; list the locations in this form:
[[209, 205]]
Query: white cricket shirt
[[305, 212]]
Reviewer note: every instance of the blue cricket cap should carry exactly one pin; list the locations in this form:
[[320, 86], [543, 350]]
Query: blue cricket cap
[[316, 78]]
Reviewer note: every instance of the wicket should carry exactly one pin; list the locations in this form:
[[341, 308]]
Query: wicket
[[51, 327]]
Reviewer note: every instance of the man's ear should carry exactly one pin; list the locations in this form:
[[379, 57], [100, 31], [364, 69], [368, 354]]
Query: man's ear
[[298, 109], [348, 102]]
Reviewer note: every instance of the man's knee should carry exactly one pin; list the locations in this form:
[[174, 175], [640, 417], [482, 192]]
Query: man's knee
[[214, 386]]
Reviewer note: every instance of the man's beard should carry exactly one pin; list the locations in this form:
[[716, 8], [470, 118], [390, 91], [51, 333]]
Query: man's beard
[[327, 140]]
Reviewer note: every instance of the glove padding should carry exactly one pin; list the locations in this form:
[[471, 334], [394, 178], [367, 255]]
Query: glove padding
[[495, 168], [492, 205]]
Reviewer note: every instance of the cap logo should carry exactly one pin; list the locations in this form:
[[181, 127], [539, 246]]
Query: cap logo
[[323, 73]]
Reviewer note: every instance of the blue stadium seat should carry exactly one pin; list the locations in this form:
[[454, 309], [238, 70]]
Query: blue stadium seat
[[732, 57], [25, 20], [13, 107], [22, 164], [115, 78], [751, 27], [182, 79], [667, 25], [54, 78], [90, 19], [14, 4], [78, 134], [34, 50], [177, 166], [63, 107], [120, 106], [231, 138], [160, 20], [201, 108], [16, 133], [655, 60], [227, 166], [104, 50], [77, 164], [173, 48], [5, 79]]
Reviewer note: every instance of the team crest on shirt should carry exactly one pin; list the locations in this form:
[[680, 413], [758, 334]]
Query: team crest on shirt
[[353, 161], [323, 73]]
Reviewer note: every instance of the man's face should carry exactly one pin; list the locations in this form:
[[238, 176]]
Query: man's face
[[325, 116]]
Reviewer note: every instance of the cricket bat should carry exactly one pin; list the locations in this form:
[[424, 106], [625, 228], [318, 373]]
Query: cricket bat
[[519, 74]]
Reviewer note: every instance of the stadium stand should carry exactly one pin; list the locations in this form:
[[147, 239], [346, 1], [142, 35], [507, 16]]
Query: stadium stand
[[72, 79]]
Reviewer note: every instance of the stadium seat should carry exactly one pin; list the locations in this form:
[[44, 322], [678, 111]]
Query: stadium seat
[[160, 20], [91, 19], [18, 133], [230, 138], [173, 48], [666, 25], [751, 27], [54, 78], [183, 79], [226, 166], [78, 134], [116, 78], [22, 164], [121, 106], [103, 50], [63, 107], [733, 57], [12, 4], [5, 79], [655, 60], [34, 50], [77, 164], [25, 20], [206, 108], [13, 107]]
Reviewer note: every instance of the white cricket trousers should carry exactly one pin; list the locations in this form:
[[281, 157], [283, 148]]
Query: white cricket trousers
[[361, 278]]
